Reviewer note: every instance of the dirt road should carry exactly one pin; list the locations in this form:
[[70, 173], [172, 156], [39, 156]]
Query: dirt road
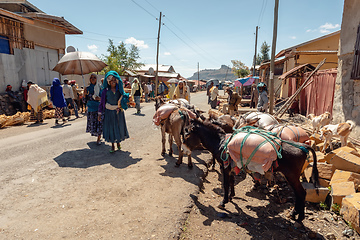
[[56, 183]]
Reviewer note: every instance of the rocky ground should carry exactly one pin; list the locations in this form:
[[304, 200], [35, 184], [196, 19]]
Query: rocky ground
[[261, 213]]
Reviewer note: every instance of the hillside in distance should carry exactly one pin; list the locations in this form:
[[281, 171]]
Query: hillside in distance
[[224, 73]]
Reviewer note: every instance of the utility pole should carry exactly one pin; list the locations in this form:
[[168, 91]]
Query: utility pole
[[272, 63], [256, 37], [157, 58], [198, 77]]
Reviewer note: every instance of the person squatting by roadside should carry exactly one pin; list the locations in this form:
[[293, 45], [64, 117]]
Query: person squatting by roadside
[[92, 93], [136, 93], [112, 105], [69, 97], [263, 101], [58, 100], [14, 100]]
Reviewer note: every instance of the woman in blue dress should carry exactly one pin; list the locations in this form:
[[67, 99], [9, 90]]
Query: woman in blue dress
[[112, 105]]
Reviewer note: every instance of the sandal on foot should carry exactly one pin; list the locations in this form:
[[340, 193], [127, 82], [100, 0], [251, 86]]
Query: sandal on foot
[[119, 147], [112, 151]]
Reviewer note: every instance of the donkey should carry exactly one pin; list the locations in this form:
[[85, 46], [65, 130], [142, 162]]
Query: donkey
[[174, 126], [213, 138]]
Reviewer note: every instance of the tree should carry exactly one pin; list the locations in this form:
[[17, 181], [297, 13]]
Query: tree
[[264, 53], [121, 59], [239, 69]]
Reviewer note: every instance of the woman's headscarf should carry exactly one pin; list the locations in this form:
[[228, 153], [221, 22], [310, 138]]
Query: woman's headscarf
[[119, 87], [97, 87], [184, 89], [56, 94], [136, 86]]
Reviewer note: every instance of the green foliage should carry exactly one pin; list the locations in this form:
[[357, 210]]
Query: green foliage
[[239, 69], [336, 208], [264, 54], [324, 206], [120, 58]]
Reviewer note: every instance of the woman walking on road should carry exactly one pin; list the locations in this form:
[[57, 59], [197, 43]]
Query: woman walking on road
[[136, 93], [112, 105], [57, 97], [92, 94]]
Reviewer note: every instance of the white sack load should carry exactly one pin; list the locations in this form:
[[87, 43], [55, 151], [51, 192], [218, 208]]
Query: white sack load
[[265, 120], [262, 159]]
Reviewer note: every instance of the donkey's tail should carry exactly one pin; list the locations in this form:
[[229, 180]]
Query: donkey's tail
[[315, 172]]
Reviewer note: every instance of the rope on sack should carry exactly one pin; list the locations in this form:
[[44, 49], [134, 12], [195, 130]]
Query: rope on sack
[[269, 138], [286, 126]]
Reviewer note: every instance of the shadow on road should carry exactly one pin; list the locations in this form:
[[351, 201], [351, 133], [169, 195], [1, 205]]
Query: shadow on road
[[36, 124], [265, 225], [192, 175], [95, 156]]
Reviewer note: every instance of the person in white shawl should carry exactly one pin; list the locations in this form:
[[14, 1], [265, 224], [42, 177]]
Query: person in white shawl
[[37, 99], [136, 93]]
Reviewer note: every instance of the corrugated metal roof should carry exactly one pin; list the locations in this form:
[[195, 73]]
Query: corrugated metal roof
[[282, 52], [55, 20], [161, 68], [169, 75]]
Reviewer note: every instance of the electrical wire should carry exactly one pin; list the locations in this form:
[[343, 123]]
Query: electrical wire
[[190, 46], [144, 9]]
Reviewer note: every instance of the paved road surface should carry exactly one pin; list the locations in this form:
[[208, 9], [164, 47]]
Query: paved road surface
[[56, 183]]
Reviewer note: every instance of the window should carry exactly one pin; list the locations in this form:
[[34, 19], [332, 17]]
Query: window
[[355, 73], [4, 45]]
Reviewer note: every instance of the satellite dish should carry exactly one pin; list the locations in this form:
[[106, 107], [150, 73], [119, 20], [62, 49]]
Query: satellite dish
[[70, 49]]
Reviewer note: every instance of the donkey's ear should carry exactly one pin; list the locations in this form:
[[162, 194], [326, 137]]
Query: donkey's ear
[[252, 121]]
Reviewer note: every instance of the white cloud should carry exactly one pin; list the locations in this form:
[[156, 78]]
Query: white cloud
[[326, 28], [167, 53], [293, 37], [93, 48], [138, 43]]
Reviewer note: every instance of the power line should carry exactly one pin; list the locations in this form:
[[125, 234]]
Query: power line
[[189, 38], [261, 15], [105, 35], [189, 45], [144, 9]]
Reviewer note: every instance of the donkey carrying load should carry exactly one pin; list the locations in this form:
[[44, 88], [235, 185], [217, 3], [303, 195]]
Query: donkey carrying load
[[172, 117], [289, 160]]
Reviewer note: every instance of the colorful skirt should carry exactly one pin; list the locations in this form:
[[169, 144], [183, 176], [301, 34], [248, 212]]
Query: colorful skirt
[[114, 126], [93, 126], [59, 113], [36, 116]]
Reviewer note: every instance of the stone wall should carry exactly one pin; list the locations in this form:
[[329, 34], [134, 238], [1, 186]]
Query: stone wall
[[347, 91]]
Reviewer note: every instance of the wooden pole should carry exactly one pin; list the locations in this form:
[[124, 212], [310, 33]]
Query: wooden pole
[[157, 58], [306, 83], [272, 63], [256, 37]]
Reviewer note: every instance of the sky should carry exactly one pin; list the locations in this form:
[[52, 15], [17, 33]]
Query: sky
[[194, 33]]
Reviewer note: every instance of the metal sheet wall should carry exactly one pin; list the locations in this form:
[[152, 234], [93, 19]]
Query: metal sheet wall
[[318, 97]]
